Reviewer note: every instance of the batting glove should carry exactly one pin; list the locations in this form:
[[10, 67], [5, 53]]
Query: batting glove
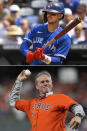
[[40, 55], [30, 57]]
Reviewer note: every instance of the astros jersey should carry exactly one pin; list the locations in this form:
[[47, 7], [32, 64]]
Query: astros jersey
[[39, 36], [48, 113]]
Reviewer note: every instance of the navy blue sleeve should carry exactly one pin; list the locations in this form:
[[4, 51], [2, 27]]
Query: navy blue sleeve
[[62, 50], [56, 60], [65, 44], [24, 48], [28, 40]]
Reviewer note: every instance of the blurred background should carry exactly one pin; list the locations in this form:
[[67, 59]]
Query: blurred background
[[71, 81], [17, 17]]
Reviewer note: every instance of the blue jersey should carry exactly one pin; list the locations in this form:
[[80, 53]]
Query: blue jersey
[[18, 20], [39, 36]]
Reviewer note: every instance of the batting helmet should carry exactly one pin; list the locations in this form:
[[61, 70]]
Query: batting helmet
[[54, 7]]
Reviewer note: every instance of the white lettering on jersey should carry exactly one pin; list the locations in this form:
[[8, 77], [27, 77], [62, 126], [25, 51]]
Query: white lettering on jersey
[[38, 40], [52, 48], [39, 32]]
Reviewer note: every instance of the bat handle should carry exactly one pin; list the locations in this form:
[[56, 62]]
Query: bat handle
[[49, 43]]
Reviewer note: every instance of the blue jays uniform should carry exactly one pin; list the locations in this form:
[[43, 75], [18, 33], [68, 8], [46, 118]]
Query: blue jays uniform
[[39, 36]]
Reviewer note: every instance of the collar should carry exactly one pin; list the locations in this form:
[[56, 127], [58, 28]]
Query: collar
[[49, 93]]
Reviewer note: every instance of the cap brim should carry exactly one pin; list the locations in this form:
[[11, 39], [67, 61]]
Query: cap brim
[[50, 11]]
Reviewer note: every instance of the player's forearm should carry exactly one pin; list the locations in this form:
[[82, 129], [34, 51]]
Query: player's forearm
[[56, 60], [78, 110], [15, 93], [53, 60], [24, 48]]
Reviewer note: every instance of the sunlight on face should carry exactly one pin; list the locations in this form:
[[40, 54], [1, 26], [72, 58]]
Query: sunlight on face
[[53, 17], [44, 84]]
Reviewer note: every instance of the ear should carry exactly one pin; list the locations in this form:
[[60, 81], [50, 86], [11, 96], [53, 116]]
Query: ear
[[37, 87], [60, 16]]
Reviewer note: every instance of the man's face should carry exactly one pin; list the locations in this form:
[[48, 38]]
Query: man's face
[[67, 1], [13, 14], [81, 13], [44, 84], [78, 31], [68, 18], [1, 7], [53, 17], [24, 24]]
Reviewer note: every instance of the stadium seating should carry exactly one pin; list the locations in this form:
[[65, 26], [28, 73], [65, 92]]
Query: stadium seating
[[38, 4], [26, 11]]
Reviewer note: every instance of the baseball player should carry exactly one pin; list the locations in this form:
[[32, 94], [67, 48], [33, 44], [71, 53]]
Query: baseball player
[[42, 34], [48, 112]]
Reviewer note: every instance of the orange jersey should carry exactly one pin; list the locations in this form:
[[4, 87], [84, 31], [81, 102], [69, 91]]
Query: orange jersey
[[48, 113]]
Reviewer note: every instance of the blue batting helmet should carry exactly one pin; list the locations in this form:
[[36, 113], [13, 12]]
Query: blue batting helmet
[[54, 7]]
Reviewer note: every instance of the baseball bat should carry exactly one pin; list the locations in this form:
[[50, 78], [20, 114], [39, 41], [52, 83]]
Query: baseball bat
[[68, 27]]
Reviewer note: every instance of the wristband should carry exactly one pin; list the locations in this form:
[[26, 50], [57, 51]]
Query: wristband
[[78, 114], [47, 59]]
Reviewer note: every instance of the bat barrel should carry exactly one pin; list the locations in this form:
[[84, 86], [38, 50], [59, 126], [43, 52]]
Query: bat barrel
[[68, 27]]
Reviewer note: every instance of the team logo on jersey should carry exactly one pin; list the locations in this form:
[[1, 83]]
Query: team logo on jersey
[[38, 39], [52, 48], [50, 6], [43, 106], [39, 32]]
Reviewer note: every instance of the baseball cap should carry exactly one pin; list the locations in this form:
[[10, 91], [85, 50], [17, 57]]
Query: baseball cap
[[14, 8], [13, 30], [68, 11]]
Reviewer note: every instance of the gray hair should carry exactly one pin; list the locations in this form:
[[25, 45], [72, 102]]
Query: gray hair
[[41, 73]]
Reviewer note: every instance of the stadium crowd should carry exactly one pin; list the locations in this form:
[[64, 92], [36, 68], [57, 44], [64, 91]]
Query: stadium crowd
[[74, 85], [18, 17], [17, 20]]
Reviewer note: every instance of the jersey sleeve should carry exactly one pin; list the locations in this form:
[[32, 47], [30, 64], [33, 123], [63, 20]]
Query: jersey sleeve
[[64, 46], [27, 42], [30, 35], [56, 60], [66, 101], [22, 105], [62, 50]]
